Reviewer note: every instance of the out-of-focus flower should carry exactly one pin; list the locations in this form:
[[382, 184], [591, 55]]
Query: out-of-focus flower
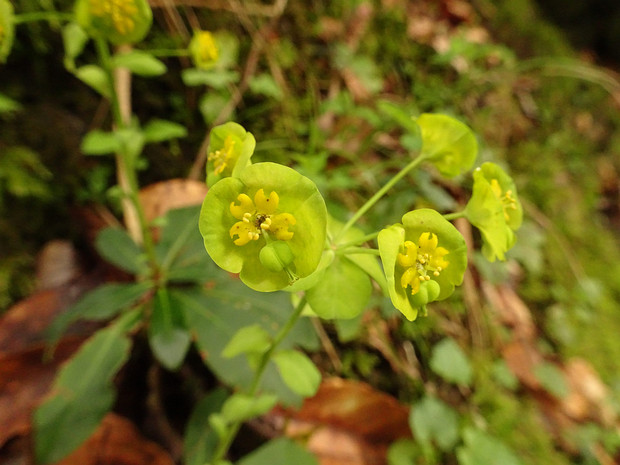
[[118, 21], [494, 208]]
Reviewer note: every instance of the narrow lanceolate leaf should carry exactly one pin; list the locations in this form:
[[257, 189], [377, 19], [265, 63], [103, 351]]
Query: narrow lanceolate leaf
[[118, 248], [82, 393], [168, 336], [140, 63], [103, 302]]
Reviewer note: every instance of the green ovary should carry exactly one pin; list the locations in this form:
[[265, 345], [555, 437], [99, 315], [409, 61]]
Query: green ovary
[[259, 217], [421, 260]]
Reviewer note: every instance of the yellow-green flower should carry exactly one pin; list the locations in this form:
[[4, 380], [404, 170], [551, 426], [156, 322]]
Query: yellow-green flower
[[494, 208], [268, 223], [119, 21], [229, 152], [423, 258], [259, 217], [204, 50], [7, 30]]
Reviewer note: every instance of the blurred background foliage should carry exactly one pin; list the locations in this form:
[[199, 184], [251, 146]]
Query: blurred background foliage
[[309, 86]]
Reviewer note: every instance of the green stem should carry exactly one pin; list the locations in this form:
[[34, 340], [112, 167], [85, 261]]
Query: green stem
[[41, 16], [125, 163], [380, 193], [454, 216], [360, 241], [233, 429], [356, 250]]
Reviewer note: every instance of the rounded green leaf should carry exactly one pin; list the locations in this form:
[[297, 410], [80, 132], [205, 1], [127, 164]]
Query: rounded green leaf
[[229, 152], [446, 142], [391, 242], [120, 22], [298, 197], [140, 63], [298, 372], [433, 420], [450, 362], [494, 208], [7, 30]]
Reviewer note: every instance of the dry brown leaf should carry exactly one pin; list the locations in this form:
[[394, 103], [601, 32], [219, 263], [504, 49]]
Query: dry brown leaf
[[349, 423], [159, 198], [25, 378], [118, 442]]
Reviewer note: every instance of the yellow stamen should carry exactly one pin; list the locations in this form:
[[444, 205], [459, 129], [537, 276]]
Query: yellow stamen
[[420, 260]]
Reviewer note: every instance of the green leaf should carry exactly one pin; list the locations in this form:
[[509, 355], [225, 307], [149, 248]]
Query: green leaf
[[342, 293], [168, 336], [8, 104], [159, 130], [433, 420], [450, 362], [298, 372], [279, 451], [249, 339], [115, 245], [241, 407], [217, 314], [264, 84], [446, 142], [102, 303], [74, 39], [82, 393], [396, 112], [140, 63], [552, 379], [200, 440], [100, 143], [483, 449], [95, 77], [218, 79], [402, 452], [7, 28]]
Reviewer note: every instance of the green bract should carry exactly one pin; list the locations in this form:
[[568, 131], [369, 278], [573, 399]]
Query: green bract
[[494, 208], [204, 50], [446, 142], [423, 259], [118, 21], [230, 149], [7, 31], [267, 223]]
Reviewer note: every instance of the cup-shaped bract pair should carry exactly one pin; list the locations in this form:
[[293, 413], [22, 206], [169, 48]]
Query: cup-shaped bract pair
[[267, 223], [7, 29], [204, 49], [229, 152], [117, 21], [447, 143], [494, 209], [423, 258]]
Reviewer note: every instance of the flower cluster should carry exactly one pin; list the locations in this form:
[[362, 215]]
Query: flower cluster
[[267, 223], [229, 152], [119, 21], [204, 50], [494, 208], [424, 258]]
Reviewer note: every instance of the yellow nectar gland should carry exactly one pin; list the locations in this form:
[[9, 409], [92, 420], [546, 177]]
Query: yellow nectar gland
[[421, 261], [259, 217], [222, 157], [120, 12], [508, 201]]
